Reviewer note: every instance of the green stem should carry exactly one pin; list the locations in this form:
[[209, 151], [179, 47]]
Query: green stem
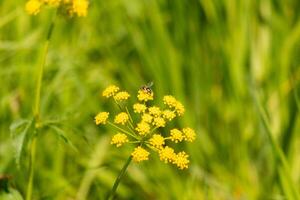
[[122, 130], [118, 179], [36, 109]]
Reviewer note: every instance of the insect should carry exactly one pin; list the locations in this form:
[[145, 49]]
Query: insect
[[147, 88]]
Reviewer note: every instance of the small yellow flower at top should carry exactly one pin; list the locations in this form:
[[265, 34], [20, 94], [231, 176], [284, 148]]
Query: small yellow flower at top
[[159, 122], [155, 111], [157, 141], [147, 118], [143, 128], [179, 108], [176, 135], [189, 134], [139, 108], [110, 91], [168, 114], [167, 154], [101, 118], [119, 139], [181, 160], [80, 7], [121, 96], [170, 101], [121, 118], [140, 154], [33, 7], [144, 96]]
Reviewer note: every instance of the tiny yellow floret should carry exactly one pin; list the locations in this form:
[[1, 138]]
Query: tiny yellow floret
[[139, 108], [121, 118], [121, 96], [147, 118], [181, 160], [157, 141], [119, 139], [144, 96], [143, 128], [168, 114], [139, 154], [80, 7], [110, 91], [159, 122], [170, 101], [155, 111], [167, 154], [101, 118], [176, 135], [189, 134], [33, 7]]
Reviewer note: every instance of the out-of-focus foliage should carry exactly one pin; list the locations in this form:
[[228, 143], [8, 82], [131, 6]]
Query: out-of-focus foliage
[[223, 59]]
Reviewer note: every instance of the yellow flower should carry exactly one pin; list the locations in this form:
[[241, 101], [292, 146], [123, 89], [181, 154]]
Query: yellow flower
[[121, 96], [179, 108], [144, 96], [155, 111], [170, 101], [121, 118], [157, 141], [80, 7], [139, 154], [119, 139], [32, 7], [139, 108], [168, 114], [147, 118], [181, 160], [143, 128], [189, 134], [101, 118], [176, 135], [110, 91], [167, 154], [159, 122]]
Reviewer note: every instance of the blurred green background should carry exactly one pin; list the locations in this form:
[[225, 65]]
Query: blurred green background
[[228, 61]]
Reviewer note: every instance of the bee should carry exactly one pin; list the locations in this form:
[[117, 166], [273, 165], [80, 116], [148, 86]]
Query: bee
[[147, 88]]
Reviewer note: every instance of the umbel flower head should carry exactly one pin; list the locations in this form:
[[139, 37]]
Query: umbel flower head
[[142, 127], [71, 7]]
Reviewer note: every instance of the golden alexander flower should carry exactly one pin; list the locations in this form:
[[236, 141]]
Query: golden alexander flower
[[139, 108], [121, 118], [179, 108], [101, 118], [170, 101], [147, 118], [168, 114], [157, 141], [189, 134], [167, 154], [110, 91], [119, 139], [32, 7], [121, 96], [181, 160], [159, 122], [80, 7], [155, 111], [176, 135], [143, 128], [144, 96], [139, 154]]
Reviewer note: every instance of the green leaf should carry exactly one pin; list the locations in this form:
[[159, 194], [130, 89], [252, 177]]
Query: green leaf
[[19, 131], [62, 134]]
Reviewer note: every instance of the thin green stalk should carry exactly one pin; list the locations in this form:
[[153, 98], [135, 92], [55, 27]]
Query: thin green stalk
[[36, 109], [122, 130], [118, 179]]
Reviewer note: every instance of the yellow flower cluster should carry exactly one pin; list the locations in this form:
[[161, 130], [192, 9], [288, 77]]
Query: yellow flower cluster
[[143, 128], [72, 7]]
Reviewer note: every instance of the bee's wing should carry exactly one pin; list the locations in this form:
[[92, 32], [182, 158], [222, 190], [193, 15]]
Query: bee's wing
[[150, 84]]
